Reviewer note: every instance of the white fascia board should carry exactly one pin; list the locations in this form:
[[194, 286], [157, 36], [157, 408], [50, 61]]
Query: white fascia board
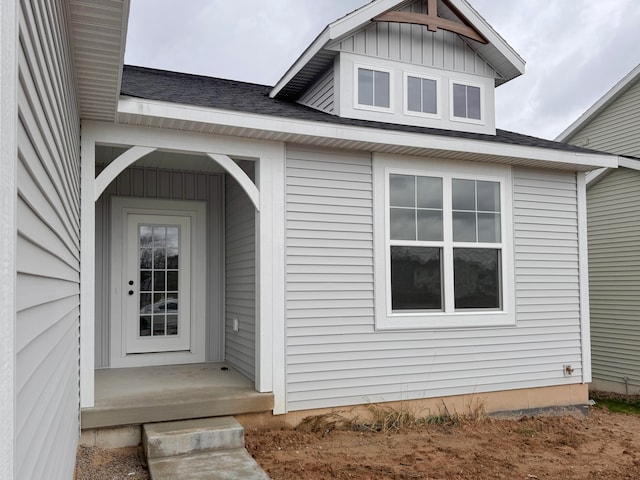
[[311, 51], [305, 128], [601, 104], [631, 163]]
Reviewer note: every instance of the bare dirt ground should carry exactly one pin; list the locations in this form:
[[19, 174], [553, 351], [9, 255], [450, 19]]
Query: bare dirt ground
[[603, 445]]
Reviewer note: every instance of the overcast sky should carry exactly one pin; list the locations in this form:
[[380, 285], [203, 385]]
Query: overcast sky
[[575, 50]]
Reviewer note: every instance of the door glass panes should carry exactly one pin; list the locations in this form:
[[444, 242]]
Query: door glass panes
[[476, 211], [415, 208], [159, 280]]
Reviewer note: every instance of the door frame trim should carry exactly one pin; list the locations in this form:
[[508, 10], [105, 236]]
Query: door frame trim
[[120, 208]]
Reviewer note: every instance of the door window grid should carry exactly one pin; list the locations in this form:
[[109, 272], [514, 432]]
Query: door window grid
[[159, 284]]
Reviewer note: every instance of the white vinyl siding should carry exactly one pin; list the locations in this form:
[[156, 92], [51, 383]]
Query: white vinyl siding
[[48, 265], [321, 95], [334, 355], [170, 185], [614, 277], [240, 286], [414, 44], [616, 129]]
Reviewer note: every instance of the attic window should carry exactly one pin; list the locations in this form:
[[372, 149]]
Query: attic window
[[374, 88], [421, 95], [467, 102]]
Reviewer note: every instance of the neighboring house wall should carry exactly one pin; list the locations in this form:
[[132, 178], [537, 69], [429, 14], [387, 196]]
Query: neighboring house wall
[[334, 355], [161, 184], [614, 278], [48, 246], [321, 95], [413, 44], [240, 273], [616, 129]]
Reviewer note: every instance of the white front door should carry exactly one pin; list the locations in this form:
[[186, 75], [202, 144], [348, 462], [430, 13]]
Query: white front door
[[158, 277], [158, 264]]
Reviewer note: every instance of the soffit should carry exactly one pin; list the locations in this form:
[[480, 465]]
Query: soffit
[[98, 34]]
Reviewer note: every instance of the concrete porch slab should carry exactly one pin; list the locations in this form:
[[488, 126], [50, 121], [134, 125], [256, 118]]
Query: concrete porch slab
[[133, 396]]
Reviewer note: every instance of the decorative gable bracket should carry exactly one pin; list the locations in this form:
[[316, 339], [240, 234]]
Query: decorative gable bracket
[[433, 22]]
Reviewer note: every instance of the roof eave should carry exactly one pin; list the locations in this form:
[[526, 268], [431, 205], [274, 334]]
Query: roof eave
[[240, 124], [98, 93]]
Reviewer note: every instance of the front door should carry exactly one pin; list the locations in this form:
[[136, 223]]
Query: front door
[[158, 260], [158, 276]]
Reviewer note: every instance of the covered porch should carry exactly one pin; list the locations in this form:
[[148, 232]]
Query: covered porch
[[205, 378]]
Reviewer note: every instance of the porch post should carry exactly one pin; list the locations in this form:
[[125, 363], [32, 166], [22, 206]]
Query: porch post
[[87, 269], [270, 280]]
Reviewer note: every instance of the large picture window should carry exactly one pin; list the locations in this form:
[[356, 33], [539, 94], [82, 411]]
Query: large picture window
[[445, 250]]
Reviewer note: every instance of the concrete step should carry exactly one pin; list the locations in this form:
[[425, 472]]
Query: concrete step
[[221, 465], [188, 437]]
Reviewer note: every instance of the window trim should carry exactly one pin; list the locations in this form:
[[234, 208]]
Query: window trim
[[356, 88], [481, 121], [385, 318], [405, 95]]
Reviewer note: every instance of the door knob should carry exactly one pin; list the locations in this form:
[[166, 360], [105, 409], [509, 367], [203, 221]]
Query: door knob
[[130, 292], [130, 282]]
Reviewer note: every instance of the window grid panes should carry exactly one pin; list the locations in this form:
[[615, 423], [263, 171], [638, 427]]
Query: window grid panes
[[467, 102], [422, 95], [421, 259], [374, 88], [159, 280]]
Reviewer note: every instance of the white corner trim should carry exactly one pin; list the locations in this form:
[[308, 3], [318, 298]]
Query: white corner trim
[[8, 228], [367, 137], [87, 272], [240, 176], [116, 167], [583, 249]]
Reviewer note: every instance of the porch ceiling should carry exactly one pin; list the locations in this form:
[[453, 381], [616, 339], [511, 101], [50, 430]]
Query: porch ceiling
[[98, 33]]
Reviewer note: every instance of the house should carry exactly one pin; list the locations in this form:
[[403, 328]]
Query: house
[[359, 232], [612, 125]]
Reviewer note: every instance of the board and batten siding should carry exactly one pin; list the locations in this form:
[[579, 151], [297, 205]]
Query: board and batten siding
[[614, 278], [168, 185], [321, 95], [334, 355], [616, 129], [240, 283], [48, 247], [414, 44]]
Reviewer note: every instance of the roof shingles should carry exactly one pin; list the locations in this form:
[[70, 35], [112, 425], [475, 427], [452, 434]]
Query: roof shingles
[[210, 92]]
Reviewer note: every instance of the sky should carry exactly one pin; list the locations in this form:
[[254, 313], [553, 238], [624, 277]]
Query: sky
[[576, 50]]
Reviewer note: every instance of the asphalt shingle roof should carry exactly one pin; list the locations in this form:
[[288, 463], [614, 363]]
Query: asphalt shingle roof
[[202, 91]]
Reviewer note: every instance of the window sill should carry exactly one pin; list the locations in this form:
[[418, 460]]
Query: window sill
[[440, 321]]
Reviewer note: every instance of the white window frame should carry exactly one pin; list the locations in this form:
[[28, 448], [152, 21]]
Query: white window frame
[[356, 87], [438, 80], [453, 118], [448, 317]]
